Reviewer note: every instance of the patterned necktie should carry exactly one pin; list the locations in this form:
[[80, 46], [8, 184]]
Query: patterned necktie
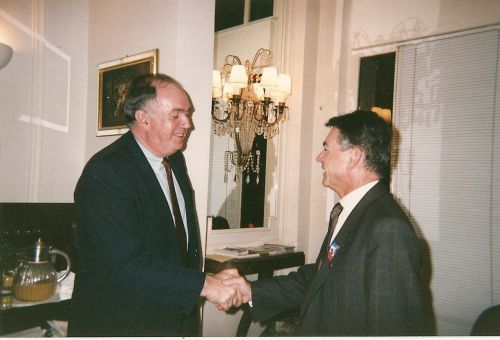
[[179, 226], [334, 217]]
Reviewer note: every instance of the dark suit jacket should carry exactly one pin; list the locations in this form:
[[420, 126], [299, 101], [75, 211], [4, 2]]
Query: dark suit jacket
[[373, 287], [129, 277]]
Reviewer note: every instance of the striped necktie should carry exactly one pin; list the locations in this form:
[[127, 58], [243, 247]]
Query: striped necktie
[[334, 217], [179, 225]]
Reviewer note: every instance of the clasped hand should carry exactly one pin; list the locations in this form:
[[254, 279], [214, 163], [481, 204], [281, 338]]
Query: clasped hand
[[226, 289]]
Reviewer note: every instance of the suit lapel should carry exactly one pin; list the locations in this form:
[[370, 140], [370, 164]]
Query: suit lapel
[[343, 239], [149, 177], [179, 169], [321, 256], [154, 188]]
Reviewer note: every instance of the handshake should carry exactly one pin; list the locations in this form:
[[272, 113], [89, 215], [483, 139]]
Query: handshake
[[226, 289]]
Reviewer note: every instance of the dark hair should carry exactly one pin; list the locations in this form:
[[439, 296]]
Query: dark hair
[[369, 132], [142, 89]]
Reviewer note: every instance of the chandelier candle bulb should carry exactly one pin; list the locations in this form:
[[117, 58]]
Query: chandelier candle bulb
[[238, 77], [269, 78], [216, 92], [216, 79], [216, 84], [279, 97]]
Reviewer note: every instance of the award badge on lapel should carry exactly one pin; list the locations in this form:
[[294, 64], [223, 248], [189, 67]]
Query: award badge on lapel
[[332, 250]]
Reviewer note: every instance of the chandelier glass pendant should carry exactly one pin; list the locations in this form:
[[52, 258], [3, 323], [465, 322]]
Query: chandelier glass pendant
[[248, 100]]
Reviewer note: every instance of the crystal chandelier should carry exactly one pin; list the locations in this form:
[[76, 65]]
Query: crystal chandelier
[[248, 100]]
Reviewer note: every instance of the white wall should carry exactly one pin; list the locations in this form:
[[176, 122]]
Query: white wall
[[43, 99]]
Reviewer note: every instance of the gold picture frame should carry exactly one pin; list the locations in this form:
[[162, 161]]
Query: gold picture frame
[[114, 78]]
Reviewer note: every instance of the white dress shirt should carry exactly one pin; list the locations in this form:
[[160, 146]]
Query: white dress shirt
[[349, 202]]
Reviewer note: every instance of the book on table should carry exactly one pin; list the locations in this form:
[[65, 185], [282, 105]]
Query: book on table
[[255, 251]]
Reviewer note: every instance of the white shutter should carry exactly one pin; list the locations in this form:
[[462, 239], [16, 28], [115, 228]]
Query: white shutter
[[446, 110]]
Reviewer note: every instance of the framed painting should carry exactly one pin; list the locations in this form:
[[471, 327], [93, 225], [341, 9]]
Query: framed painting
[[114, 79]]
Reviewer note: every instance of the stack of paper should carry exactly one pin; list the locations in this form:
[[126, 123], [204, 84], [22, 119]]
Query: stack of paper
[[254, 251]]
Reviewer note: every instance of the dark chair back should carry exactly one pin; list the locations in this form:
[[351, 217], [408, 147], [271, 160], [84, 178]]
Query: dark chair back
[[21, 224], [488, 322]]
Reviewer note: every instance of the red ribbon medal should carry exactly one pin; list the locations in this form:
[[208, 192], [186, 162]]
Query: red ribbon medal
[[331, 253]]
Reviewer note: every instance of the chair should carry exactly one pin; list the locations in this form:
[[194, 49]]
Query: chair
[[219, 222], [488, 322]]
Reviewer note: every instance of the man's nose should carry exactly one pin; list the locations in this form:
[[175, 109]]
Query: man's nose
[[186, 122], [319, 158]]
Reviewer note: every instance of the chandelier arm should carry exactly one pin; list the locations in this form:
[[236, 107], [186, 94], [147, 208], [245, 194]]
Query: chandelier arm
[[270, 124], [258, 54], [233, 57], [276, 120]]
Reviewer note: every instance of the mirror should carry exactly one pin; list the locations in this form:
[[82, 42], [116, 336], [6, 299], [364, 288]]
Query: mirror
[[242, 201], [247, 200]]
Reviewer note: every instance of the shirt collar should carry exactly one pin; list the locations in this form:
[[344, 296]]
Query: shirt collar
[[350, 200], [154, 161]]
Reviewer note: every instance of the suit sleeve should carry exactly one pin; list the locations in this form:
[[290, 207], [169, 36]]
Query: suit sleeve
[[113, 252], [393, 286], [280, 294]]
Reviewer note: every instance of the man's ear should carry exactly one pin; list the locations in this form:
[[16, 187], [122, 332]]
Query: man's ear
[[142, 119], [356, 156]]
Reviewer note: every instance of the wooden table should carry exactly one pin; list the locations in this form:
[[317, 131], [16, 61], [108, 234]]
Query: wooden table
[[264, 266]]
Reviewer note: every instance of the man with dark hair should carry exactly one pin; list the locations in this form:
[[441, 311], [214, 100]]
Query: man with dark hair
[[365, 281], [137, 239]]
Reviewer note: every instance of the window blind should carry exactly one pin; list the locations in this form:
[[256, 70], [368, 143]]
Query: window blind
[[224, 196], [446, 166]]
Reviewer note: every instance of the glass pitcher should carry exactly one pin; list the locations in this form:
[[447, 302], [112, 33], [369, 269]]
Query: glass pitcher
[[36, 277]]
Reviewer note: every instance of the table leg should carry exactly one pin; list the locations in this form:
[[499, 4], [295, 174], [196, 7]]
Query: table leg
[[245, 322], [246, 319]]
